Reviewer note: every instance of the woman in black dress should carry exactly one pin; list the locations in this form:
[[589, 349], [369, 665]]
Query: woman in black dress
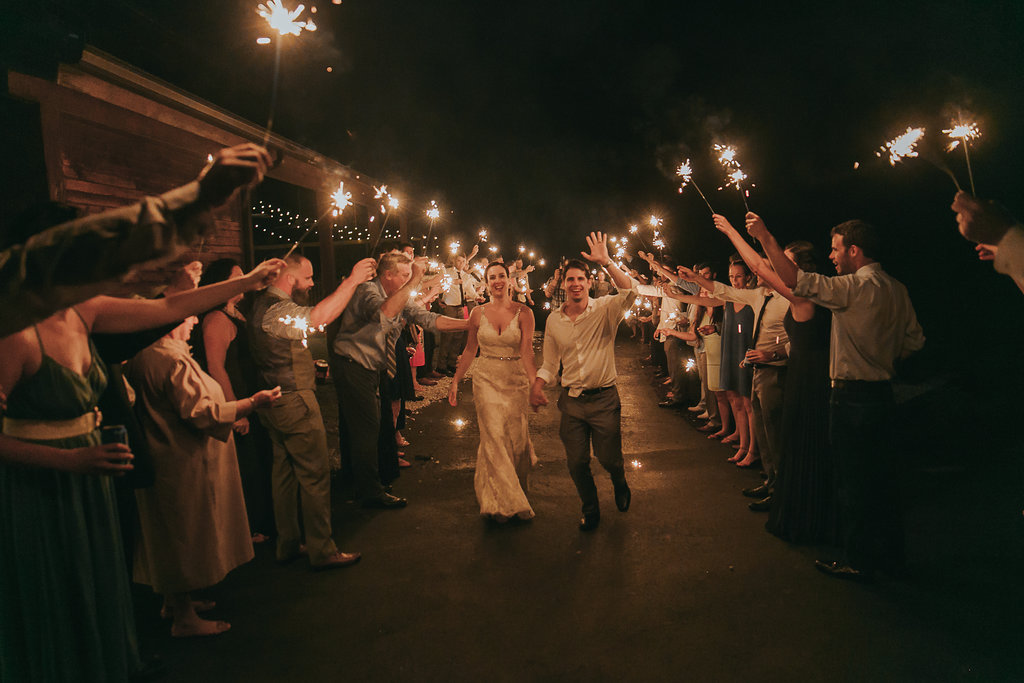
[[803, 504]]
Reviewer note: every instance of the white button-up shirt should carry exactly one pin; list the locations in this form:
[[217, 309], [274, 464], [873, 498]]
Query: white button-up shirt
[[873, 321], [585, 346], [771, 336]]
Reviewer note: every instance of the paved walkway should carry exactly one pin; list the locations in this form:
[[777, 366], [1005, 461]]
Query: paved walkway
[[687, 585]]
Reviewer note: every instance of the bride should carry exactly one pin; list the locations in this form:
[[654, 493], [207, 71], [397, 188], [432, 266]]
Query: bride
[[503, 330]]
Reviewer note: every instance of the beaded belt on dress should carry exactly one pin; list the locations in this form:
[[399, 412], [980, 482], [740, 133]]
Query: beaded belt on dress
[[501, 357]]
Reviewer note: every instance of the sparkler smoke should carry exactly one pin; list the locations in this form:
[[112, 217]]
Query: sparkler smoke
[[282, 20], [685, 171], [964, 132]]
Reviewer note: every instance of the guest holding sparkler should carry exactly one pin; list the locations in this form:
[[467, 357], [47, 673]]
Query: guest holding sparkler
[[193, 519], [1000, 238], [364, 357], [64, 596], [873, 327], [803, 507], [278, 327]]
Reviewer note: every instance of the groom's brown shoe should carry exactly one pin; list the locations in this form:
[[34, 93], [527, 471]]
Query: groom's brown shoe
[[589, 521]]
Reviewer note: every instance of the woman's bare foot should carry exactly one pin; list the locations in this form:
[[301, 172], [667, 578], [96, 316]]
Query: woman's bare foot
[[739, 455], [748, 461], [192, 628], [717, 435], [732, 438], [400, 440], [257, 537], [197, 605]]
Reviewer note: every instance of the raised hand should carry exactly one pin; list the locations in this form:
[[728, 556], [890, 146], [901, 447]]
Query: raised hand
[[984, 222], [419, 267], [363, 271], [265, 273], [686, 274], [722, 224], [756, 227], [598, 249], [231, 168]]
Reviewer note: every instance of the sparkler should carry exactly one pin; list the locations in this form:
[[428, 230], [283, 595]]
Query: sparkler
[[902, 146], [482, 235], [905, 145], [340, 199], [433, 213], [635, 230], [282, 20], [453, 247], [301, 324], [734, 174], [964, 132], [493, 249], [685, 171]]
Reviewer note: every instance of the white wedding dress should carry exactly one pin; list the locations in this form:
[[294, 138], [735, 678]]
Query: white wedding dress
[[501, 393]]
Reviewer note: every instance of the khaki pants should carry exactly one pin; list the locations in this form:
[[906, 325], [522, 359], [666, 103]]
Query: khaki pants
[[300, 470]]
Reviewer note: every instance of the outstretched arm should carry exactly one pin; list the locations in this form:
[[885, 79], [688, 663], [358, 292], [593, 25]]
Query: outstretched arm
[[467, 356], [786, 269], [755, 261], [325, 312]]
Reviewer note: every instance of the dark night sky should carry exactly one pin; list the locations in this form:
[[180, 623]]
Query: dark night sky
[[545, 119]]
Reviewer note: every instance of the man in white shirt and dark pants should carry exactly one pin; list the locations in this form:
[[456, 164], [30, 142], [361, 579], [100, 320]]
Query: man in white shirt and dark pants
[[580, 335], [873, 326]]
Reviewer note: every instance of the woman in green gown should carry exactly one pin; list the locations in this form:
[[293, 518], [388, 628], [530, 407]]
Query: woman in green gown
[[65, 606]]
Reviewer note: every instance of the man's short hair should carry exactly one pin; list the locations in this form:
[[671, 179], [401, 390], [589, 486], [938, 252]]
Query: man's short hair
[[402, 246], [294, 262], [390, 261], [804, 256], [578, 265], [860, 234], [705, 264]]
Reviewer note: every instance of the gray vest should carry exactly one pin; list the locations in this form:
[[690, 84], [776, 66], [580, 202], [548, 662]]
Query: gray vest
[[279, 361]]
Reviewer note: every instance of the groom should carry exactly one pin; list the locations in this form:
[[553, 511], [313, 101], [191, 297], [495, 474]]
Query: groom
[[580, 335]]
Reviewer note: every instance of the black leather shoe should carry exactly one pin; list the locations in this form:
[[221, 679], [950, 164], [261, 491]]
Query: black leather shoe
[[385, 501], [669, 404], [589, 522], [763, 505], [622, 497], [843, 571], [758, 491]]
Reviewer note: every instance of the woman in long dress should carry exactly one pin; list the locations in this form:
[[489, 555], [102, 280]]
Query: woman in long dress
[[503, 331], [65, 603], [193, 520]]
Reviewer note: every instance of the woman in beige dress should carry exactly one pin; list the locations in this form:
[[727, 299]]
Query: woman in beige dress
[[193, 519]]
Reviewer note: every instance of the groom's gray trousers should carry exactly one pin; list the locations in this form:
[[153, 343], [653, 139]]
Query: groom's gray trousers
[[594, 417]]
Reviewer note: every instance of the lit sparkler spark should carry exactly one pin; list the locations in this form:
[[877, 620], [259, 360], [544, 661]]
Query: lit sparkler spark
[[482, 235], [690, 365], [736, 178], [659, 243], [727, 155], [633, 229], [454, 247], [392, 201], [962, 131], [542, 263], [493, 249], [381, 191], [547, 305], [521, 248], [902, 146], [636, 464], [282, 19], [459, 423], [341, 197], [301, 324], [530, 255], [654, 221], [446, 283], [433, 213], [628, 315], [685, 171]]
